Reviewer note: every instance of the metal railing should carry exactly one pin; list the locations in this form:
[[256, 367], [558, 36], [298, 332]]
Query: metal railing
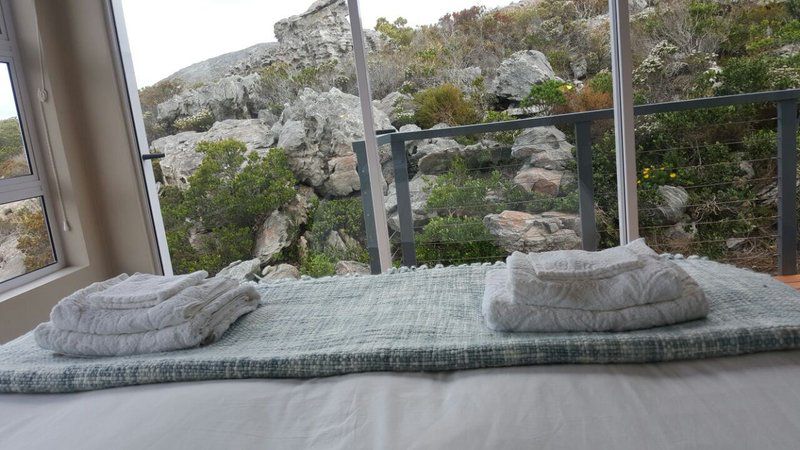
[[786, 102]]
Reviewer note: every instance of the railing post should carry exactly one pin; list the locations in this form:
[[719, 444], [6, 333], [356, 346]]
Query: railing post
[[787, 187], [404, 214], [360, 149], [583, 154]]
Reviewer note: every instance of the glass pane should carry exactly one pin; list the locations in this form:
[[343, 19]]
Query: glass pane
[[13, 157], [25, 243]]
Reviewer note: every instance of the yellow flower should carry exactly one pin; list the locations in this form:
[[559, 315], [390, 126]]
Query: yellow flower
[[638, 181], [673, 175], [646, 176]]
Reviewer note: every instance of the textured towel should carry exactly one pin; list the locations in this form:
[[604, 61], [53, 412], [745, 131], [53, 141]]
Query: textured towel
[[208, 325], [502, 314], [71, 314], [142, 290], [417, 320], [570, 265], [599, 288]]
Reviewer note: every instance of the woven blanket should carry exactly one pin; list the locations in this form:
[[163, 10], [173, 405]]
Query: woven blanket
[[420, 320]]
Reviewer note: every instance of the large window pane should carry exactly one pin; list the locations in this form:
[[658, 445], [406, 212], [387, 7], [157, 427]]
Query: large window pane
[[25, 243], [13, 156]]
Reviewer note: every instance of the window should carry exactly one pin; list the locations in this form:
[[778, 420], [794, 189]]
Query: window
[[27, 245]]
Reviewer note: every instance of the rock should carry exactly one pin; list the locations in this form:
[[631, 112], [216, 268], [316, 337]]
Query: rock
[[466, 78], [317, 132], [233, 97], [334, 243], [213, 69], [396, 106], [280, 272], [435, 156], [241, 270], [420, 191], [519, 231], [544, 147], [543, 181], [579, 67], [280, 228], [517, 74], [789, 50], [319, 35], [734, 243], [351, 267], [182, 160], [673, 203], [12, 260]]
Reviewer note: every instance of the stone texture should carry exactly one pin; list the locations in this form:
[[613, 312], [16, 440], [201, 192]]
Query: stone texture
[[543, 181], [544, 147], [280, 272], [317, 132], [517, 74], [396, 106], [420, 191], [351, 268], [280, 228], [241, 270], [233, 97], [320, 34], [672, 203], [519, 231], [182, 160]]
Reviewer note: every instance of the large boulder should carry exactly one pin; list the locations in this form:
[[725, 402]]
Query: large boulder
[[351, 268], [520, 231], [320, 34], [182, 160], [419, 187], [233, 97], [544, 147], [396, 105], [317, 132], [213, 69], [543, 181], [280, 272], [672, 204], [241, 270], [281, 228], [518, 73]]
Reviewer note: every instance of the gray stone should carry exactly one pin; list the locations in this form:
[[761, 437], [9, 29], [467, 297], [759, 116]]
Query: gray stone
[[543, 181], [673, 203], [419, 186], [241, 270], [396, 106], [519, 231], [233, 97], [544, 147], [317, 133], [280, 228], [213, 69], [351, 268], [320, 34], [579, 67], [517, 74], [182, 160], [280, 272]]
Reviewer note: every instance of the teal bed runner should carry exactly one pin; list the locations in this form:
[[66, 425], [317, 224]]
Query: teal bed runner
[[417, 320]]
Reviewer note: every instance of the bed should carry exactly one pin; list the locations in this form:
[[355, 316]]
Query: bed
[[368, 363]]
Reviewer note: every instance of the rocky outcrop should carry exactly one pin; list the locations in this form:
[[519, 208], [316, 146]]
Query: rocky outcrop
[[317, 132], [280, 229], [519, 231], [544, 147], [233, 97], [419, 187], [320, 34], [517, 74], [213, 69], [351, 268], [280, 272], [396, 106], [672, 203], [182, 160], [241, 270], [543, 181]]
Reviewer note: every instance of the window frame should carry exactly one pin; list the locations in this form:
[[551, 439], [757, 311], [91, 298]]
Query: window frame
[[33, 185]]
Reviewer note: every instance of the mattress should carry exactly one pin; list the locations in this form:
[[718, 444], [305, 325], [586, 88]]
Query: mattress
[[745, 402], [423, 320]]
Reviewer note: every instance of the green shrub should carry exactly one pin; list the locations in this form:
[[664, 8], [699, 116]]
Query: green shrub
[[201, 121], [602, 82], [547, 94], [345, 216], [455, 240], [318, 265], [397, 32], [444, 104], [503, 137], [34, 240]]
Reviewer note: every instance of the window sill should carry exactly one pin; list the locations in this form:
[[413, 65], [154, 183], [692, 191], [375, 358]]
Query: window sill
[[53, 277]]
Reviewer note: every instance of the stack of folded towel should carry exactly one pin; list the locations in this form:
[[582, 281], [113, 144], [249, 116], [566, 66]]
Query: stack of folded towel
[[145, 314], [623, 288]]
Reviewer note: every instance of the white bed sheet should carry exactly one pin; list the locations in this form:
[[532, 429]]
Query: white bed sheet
[[747, 402]]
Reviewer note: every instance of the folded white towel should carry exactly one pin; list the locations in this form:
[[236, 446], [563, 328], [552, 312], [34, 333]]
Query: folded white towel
[[72, 314], [607, 280], [501, 313], [141, 290], [208, 325]]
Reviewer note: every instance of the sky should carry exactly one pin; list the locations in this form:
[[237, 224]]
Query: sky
[[8, 107], [168, 35]]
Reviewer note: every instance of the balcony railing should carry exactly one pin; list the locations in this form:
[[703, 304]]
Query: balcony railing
[[786, 103]]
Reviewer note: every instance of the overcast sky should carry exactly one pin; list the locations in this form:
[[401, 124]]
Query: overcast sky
[[167, 35]]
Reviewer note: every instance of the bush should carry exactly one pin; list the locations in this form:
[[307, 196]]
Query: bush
[[345, 216], [212, 223], [397, 32], [201, 121], [455, 240], [547, 95], [34, 241], [318, 265], [444, 104], [503, 137]]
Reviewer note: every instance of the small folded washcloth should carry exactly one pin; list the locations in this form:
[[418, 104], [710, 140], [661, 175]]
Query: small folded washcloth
[[141, 290], [72, 314], [623, 288], [206, 326]]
